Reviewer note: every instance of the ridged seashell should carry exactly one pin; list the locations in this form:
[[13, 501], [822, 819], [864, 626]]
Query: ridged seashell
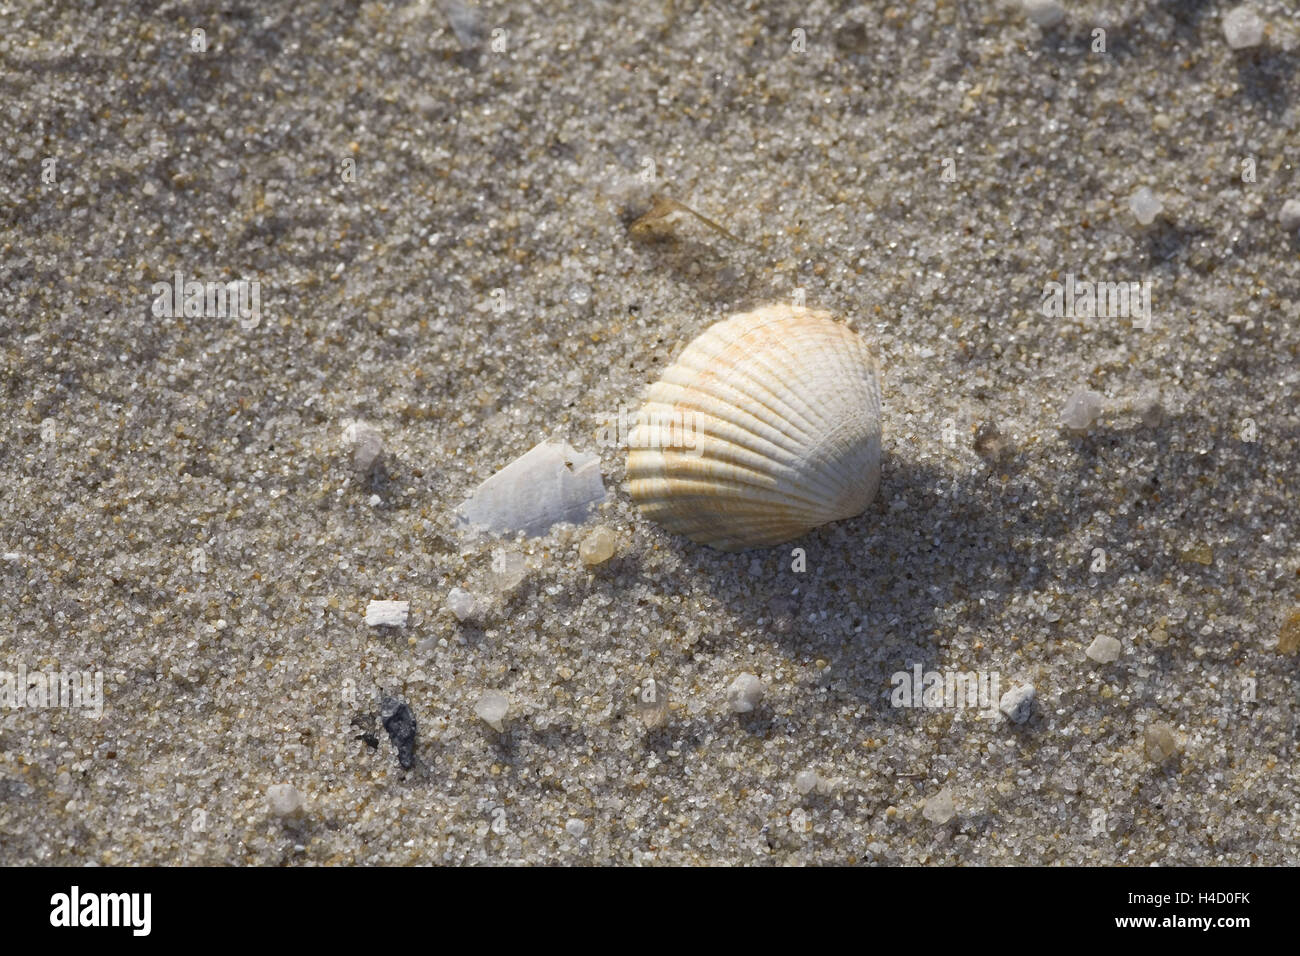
[[767, 426]]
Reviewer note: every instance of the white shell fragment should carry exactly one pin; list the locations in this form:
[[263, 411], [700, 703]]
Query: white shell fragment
[[492, 708], [387, 613], [767, 426], [549, 485]]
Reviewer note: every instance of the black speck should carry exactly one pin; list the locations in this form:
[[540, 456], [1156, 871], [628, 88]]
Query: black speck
[[400, 724]]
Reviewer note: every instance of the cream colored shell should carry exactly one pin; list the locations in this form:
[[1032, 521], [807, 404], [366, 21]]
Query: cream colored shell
[[767, 426]]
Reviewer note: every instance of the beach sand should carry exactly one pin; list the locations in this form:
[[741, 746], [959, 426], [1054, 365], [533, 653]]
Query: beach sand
[[435, 202]]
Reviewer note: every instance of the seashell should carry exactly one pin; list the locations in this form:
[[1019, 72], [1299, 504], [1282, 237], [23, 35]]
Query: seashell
[[766, 426], [551, 484]]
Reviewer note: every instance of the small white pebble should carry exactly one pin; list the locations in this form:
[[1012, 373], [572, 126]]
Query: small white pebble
[[597, 547], [806, 781], [1289, 215], [491, 708], [462, 604], [1243, 27], [1081, 409], [1104, 649], [387, 613], [1145, 205], [1045, 13], [1018, 703], [376, 501], [283, 800], [575, 827], [365, 443], [940, 808], [744, 694]]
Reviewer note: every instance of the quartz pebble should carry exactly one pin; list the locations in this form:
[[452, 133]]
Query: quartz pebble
[[551, 484], [462, 604], [744, 694], [1082, 409], [1160, 743], [1017, 703], [366, 445], [652, 702], [283, 800], [508, 569], [940, 808], [1145, 206], [597, 547], [1044, 13], [387, 613], [1242, 27], [575, 827], [492, 708], [805, 781], [1104, 649], [1289, 215]]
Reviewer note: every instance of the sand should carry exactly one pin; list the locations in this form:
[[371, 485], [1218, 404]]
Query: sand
[[438, 222]]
